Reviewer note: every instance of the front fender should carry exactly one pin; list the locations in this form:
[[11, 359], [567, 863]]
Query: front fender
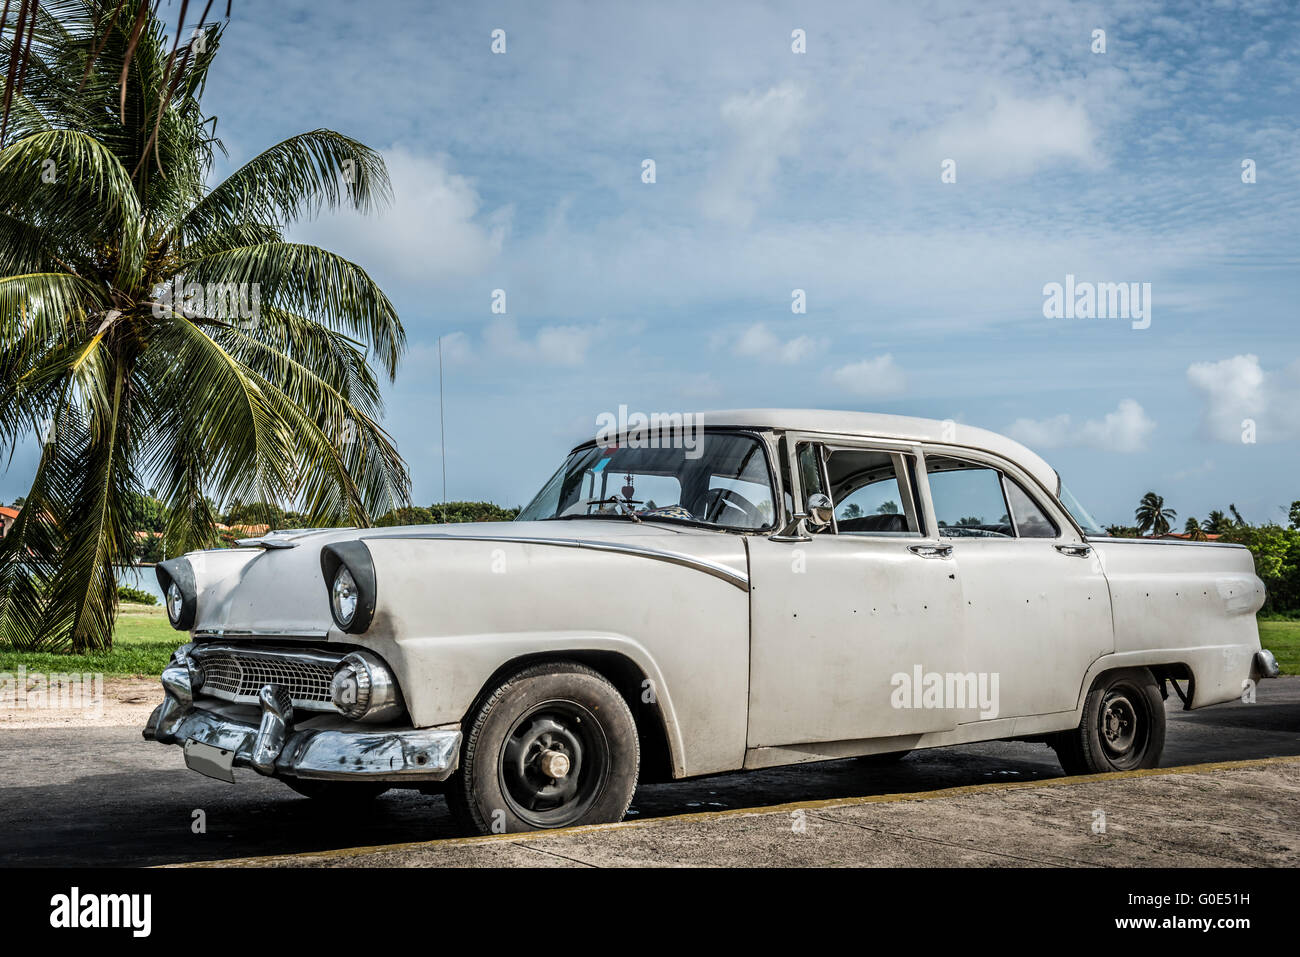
[[450, 613]]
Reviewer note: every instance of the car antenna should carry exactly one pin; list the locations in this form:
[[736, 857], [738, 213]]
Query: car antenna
[[442, 434]]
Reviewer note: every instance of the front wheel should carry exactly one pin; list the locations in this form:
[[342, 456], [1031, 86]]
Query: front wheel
[[1123, 726], [554, 745]]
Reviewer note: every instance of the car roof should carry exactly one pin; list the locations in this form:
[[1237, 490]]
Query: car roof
[[896, 427]]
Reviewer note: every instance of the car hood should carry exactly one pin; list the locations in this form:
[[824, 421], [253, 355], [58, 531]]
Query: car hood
[[275, 587]]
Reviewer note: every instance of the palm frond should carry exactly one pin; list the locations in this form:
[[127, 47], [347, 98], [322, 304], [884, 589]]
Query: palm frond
[[311, 281], [97, 537], [45, 301], [90, 195], [295, 179]]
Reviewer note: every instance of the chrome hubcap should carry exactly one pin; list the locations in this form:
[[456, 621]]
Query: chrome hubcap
[[554, 764], [1119, 724]]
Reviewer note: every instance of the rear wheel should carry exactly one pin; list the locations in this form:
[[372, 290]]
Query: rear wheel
[[1123, 726], [337, 792], [554, 745]]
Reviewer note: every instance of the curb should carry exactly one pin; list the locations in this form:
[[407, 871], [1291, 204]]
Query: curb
[[705, 816]]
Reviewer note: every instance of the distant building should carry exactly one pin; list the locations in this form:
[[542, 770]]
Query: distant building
[[7, 518], [250, 531]]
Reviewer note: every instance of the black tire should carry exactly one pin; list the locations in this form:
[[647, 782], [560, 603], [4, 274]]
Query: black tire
[[337, 792], [556, 707], [1123, 726], [884, 758]]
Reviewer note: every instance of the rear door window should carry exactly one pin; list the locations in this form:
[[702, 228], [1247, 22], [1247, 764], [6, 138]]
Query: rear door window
[[968, 499]]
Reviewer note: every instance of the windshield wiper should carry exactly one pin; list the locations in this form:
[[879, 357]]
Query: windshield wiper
[[615, 500]]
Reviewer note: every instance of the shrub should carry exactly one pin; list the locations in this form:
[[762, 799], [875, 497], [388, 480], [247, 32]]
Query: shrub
[[135, 595]]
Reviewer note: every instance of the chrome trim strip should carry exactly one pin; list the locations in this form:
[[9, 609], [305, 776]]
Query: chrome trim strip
[[299, 633], [1108, 540], [724, 572], [314, 656]]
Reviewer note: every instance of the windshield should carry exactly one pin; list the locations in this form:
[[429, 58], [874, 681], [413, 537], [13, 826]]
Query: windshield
[[722, 481], [1086, 521]]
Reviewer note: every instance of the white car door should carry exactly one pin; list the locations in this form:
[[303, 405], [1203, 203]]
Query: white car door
[[838, 617], [1035, 600]]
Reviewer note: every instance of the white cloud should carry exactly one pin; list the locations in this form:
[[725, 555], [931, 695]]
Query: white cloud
[[422, 356], [1124, 430], [760, 342], [434, 229], [764, 130], [1002, 135], [456, 348], [565, 345], [1238, 389], [873, 378]]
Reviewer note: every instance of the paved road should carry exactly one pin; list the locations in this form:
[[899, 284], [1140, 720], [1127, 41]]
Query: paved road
[[105, 796]]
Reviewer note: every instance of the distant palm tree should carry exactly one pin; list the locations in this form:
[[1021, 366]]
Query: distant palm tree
[[1152, 516], [1217, 523], [103, 211], [1194, 531]]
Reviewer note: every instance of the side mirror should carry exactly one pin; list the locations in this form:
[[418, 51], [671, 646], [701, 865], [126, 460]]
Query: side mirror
[[820, 510]]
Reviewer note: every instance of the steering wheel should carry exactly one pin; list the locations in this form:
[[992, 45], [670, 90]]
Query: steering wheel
[[718, 500]]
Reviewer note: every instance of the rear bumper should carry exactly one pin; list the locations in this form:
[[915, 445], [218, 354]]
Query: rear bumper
[[273, 747]]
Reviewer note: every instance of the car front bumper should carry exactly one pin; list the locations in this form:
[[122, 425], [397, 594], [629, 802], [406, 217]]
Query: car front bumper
[[1265, 665], [216, 740]]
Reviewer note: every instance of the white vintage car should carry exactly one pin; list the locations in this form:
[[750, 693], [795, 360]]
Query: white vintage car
[[788, 586]]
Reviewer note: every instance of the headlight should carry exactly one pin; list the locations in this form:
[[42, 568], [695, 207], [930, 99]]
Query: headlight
[[180, 593], [348, 573], [175, 603], [363, 689], [344, 596]]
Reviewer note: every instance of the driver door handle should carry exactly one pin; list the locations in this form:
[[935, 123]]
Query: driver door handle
[[931, 551], [1076, 551]]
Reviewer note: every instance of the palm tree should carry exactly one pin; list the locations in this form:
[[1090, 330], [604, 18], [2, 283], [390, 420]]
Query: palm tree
[[1217, 523], [1194, 531], [1152, 515], [104, 214]]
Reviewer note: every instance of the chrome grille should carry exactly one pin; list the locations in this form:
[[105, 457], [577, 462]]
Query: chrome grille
[[237, 674]]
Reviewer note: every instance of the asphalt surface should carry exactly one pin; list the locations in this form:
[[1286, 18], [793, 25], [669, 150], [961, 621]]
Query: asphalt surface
[[104, 796]]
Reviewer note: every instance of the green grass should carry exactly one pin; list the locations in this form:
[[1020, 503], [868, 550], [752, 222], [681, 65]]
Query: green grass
[[142, 645], [1283, 639]]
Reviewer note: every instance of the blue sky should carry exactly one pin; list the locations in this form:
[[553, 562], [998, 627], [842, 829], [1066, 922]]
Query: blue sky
[[818, 171]]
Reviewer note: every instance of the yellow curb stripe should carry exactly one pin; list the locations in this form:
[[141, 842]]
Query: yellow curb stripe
[[705, 816]]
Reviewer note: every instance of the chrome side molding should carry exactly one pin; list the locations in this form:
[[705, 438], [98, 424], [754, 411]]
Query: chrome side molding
[[723, 572]]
